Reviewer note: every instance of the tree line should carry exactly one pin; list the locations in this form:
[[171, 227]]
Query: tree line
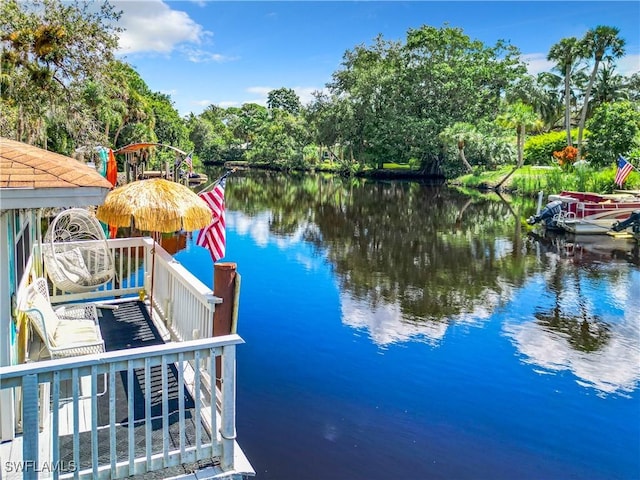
[[437, 101]]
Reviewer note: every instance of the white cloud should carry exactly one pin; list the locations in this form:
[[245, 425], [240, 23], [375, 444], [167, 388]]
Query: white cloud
[[262, 91], [202, 103], [537, 63], [629, 64], [197, 55], [614, 367], [152, 26]]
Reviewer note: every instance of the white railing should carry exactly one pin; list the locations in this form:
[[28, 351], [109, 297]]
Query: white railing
[[184, 304], [195, 361]]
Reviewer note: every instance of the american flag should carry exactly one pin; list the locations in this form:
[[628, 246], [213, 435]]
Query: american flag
[[213, 237], [624, 169], [189, 161]]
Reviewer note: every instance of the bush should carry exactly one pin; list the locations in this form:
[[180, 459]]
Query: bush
[[615, 130], [538, 150]]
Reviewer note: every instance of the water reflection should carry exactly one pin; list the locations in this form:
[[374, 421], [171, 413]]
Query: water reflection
[[412, 260], [601, 354], [587, 318], [387, 324]]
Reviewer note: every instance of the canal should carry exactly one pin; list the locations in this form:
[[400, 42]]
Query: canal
[[402, 330]]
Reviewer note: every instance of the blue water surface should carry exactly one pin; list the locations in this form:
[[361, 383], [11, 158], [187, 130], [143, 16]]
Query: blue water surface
[[332, 387]]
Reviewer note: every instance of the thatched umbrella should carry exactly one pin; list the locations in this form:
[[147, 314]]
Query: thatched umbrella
[[155, 205]]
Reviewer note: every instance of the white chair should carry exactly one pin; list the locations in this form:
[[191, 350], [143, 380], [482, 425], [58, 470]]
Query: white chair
[[67, 331], [75, 252]]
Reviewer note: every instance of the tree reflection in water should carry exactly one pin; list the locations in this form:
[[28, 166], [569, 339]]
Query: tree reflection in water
[[412, 259]]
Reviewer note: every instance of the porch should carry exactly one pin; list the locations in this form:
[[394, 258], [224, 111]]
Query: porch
[[161, 399]]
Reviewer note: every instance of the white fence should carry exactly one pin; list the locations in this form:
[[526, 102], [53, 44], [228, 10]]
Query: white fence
[[87, 452]]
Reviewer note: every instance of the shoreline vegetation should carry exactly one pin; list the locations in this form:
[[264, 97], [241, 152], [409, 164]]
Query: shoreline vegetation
[[526, 181], [441, 105]]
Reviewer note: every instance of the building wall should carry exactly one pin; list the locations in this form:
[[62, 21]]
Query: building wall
[[17, 229]]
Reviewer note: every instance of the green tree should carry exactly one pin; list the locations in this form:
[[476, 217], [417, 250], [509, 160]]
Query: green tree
[[201, 133], [402, 96], [608, 87], [599, 42], [460, 134], [50, 48], [330, 118], [614, 129], [520, 117], [285, 99], [104, 100], [137, 121], [169, 127], [279, 141], [246, 120], [543, 94], [632, 85], [566, 54]]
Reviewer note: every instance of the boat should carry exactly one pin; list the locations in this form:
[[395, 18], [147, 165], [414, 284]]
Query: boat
[[585, 212]]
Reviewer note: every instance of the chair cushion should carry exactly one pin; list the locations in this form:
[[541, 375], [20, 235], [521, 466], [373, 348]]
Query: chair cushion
[[72, 264], [76, 332], [38, 302]]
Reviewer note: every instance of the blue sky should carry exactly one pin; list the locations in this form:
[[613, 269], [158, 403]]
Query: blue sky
[[228, 53]]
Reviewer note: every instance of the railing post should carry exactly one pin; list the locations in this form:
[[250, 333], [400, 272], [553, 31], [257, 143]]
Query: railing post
[[228, 427], [31, 427], [224, 279]]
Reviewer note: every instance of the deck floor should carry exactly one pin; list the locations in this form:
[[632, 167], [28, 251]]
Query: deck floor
[[130, 326]]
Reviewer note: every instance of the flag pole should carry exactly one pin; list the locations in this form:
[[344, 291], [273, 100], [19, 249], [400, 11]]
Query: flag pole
[[217, 181]]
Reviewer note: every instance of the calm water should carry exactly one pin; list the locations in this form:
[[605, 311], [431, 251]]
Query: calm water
[[397, 330]]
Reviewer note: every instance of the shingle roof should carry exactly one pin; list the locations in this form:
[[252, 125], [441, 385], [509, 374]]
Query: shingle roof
[[26, 166]]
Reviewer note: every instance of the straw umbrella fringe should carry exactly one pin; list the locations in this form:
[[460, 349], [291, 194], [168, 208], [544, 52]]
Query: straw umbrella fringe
[[155, 205]]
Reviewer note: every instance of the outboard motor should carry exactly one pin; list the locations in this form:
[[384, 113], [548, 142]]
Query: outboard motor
[[547, 213], [633, 221]]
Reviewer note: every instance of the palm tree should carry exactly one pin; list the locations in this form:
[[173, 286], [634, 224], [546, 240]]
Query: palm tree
[[566, 53], [609, 87], [460, 133], [542, 93], [549, 99], [521, 117], [597, 43]]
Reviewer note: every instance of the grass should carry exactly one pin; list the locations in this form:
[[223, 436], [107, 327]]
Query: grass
[[529, 180], [396, 166]]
